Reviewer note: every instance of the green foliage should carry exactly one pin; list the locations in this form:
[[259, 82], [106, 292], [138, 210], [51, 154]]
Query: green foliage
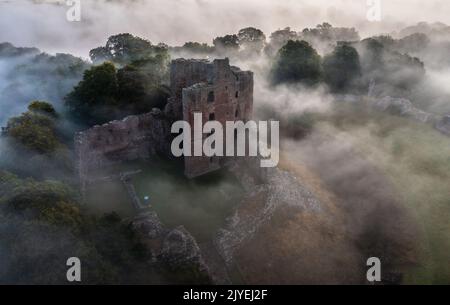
[[227, 42], [49, 201], [341, 67], [252, 40], [34, 144], [99, 86], [42, 107], [198, 48], [297, 62], [34, 130], [139, 91], [41, 225], [125, 48], [105, 93], [92, 99]]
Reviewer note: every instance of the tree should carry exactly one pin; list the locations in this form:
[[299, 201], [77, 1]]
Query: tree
[[93, 99], [140, 87], [107, 94], [297, 62], [326, 33], [373, 51], [394, 73], [226, 43], [341, 67], [252, 40], [125, 48], [35, 129], [42, 107], [50, 201], [278, 39], [198, 48]]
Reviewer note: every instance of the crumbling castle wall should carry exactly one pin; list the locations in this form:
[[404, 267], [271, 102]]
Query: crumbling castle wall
[[217, 90], [225, 94], [134, 137]]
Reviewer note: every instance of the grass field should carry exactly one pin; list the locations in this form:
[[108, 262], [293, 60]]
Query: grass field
[[416, 158]]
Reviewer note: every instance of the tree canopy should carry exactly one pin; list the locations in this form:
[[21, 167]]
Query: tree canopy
[[252, 40], [125, 48], [297, 62], [35, 129], [42, 107], [93, 99], [106, 93], [341, 67], [227, 42]]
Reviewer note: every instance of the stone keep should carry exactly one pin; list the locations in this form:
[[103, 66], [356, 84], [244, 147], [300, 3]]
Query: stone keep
[[217, 90], [223, 94]]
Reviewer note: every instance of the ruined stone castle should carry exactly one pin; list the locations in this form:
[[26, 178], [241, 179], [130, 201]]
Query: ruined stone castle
[[217, 90]]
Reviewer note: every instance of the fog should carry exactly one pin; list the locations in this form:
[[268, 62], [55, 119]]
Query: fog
[[362, 161], [177, 21]]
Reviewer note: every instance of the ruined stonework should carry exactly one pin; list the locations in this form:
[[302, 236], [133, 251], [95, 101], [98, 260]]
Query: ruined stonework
[[217, 90], [224, 94], [134, 137], [176, 248]]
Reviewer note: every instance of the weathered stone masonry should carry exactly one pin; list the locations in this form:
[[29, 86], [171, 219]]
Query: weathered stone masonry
[[225, 95], [217, 90]]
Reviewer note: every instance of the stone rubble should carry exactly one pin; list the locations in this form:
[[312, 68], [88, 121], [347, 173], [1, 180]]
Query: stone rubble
[[177, 247], [281, 189]]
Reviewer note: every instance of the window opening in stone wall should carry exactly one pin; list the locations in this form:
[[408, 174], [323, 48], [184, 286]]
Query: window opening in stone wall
[[211, 97]]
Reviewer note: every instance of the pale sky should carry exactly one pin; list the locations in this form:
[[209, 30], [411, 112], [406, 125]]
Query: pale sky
[[176, 21]]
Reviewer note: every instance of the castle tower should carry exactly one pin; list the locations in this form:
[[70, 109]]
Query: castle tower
[[219, 92]]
